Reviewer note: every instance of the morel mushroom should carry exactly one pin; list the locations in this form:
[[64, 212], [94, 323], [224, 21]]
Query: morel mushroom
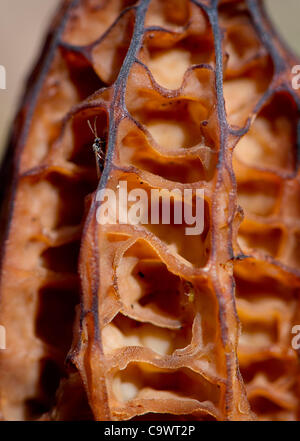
[[118, 321]]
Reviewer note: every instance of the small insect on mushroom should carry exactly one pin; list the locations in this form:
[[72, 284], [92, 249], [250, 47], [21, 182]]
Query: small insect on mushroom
[[189, 291], [99, 147]]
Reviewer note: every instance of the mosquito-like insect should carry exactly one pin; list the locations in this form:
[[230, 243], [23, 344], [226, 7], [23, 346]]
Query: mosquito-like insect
[[99, 147]]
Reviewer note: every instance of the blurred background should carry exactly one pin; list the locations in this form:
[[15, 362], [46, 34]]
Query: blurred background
[[23, 24]]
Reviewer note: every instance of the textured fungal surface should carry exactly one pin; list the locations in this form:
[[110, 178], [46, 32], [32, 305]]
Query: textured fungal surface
[[122, 321]]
